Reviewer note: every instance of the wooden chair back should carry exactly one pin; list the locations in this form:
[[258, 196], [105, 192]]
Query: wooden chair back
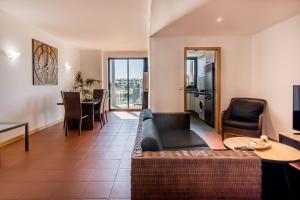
[[98, 93], [102, 106], [72, 105], [105, 100]]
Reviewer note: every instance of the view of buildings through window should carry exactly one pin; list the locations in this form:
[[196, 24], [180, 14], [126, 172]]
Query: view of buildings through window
[[126, 83]]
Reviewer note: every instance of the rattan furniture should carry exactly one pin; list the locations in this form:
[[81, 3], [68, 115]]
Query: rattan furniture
[[244, 117], [193, 174], [73, 110]]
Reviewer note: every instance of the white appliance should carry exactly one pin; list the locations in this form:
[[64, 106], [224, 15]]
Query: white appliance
[[201, 107]]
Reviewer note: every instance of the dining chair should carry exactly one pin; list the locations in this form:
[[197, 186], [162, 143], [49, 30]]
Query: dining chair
[[98, 94], [105, 104], [73, 110], [102, 108]]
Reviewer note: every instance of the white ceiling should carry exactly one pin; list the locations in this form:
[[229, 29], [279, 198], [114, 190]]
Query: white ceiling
[[125, 24], [240, 17], [164, 12], [99, 24]]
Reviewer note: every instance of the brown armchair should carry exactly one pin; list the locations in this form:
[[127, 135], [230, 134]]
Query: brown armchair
[[244, 116]]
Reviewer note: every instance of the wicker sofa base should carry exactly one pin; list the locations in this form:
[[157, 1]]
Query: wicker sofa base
[[194, 174]]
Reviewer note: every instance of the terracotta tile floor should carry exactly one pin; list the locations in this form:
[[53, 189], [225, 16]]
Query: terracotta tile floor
[[95, 165]]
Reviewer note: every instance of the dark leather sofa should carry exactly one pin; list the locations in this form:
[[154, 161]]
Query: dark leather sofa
[[162, 131]]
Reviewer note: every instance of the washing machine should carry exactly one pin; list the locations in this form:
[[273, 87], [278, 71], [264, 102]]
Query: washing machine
[[201, 107]]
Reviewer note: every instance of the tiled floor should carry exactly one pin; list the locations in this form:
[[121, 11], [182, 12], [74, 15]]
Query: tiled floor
[[207, 133], [95, 165]]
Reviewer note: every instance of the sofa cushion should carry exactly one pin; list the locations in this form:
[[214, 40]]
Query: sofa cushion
[[243, 110], [241, 124], [180, 139], [150, 137], [147, 114]]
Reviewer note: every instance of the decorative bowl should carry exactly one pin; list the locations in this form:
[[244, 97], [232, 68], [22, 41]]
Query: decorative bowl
[[259, 144]]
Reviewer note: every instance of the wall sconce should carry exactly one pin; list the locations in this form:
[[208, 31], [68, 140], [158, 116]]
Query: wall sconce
[[12, 55], [68, 67]]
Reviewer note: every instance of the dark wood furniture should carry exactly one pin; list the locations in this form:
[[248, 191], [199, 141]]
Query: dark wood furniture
[[98, 94], [293, 141], [7, 126], [244, 117], [62, 97], [293, 168], [87, 109], [73, 109], [105, 107]]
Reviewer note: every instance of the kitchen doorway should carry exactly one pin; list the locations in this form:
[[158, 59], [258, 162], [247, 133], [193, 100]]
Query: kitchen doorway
[[202, 80], [126, 83]]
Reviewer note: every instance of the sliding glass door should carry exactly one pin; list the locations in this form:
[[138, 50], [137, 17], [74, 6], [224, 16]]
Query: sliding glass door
[[126, 83]]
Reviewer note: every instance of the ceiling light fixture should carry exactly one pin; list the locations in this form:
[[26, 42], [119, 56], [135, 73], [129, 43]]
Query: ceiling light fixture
[[219, 19]]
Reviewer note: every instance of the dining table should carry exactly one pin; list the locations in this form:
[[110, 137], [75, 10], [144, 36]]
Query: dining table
[[88, 108]]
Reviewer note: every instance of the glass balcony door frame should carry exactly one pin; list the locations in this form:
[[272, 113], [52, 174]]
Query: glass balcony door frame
[[145, 68]]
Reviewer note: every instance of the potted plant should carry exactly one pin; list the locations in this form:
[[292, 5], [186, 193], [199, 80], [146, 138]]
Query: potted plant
[[84, 86]]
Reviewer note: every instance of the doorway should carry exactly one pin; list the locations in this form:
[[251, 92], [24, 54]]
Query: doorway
[[202, 85], [126, 83]]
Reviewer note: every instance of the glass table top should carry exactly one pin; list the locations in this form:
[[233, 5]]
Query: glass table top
[[6, 126]]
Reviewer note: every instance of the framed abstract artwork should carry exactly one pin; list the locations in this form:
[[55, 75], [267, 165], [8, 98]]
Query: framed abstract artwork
[[44, 64]]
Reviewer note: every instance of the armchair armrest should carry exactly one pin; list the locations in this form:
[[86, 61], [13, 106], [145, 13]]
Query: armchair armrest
[[225, 115], [260, 123], [172, 120], [196, 175]]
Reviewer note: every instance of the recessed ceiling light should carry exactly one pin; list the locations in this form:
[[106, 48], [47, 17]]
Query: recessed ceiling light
[[219, 19]]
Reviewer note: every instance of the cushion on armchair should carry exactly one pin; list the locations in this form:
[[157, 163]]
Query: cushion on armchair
[[241, 124], [243, 110]]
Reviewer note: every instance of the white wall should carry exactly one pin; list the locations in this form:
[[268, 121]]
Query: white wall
[[276, 68], [91, 64], [20, 100], [167, 69]]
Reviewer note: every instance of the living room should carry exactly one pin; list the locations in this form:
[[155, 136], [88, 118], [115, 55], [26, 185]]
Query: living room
[[258, 42]]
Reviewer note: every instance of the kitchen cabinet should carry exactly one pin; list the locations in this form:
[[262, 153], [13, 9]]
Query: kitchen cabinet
[[188, 101], [192, 101], [196, 105]]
